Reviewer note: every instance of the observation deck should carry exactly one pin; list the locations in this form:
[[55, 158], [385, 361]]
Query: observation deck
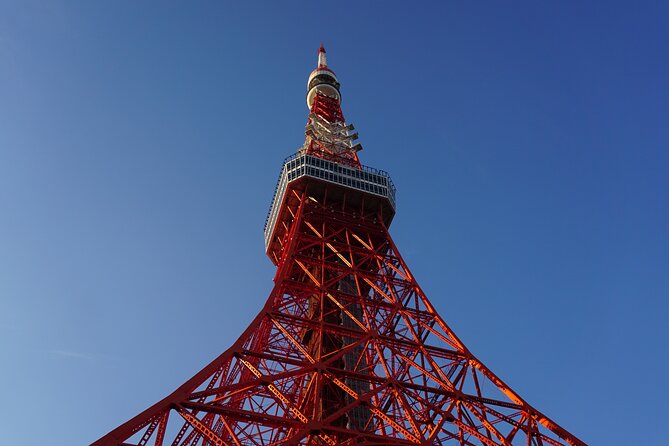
[[374, 185]]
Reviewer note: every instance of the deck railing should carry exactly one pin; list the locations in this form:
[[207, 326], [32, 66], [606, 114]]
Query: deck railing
[[367, 179]]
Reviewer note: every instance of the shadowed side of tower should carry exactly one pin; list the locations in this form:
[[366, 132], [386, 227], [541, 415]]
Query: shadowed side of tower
[[347, 350]]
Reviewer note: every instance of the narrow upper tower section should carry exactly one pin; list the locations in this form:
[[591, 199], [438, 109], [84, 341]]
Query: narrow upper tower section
[[327, 135], [327, 168]]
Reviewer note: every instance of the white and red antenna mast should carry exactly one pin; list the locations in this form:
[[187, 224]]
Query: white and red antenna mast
[[327, 135]]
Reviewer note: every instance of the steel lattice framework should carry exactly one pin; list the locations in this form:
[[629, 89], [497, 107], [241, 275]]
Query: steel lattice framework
[[348, 349]]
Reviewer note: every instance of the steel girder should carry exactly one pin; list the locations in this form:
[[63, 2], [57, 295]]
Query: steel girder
[[348, 350]]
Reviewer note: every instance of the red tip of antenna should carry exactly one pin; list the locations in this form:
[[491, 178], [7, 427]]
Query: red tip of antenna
[[321, 49]]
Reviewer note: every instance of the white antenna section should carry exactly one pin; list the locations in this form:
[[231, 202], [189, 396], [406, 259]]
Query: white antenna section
[[322, 60]]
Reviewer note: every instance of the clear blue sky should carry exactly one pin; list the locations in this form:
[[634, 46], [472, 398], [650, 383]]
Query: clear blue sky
[[140, 143]]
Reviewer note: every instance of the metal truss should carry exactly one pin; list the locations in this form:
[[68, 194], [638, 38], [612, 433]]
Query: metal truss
[[327, 134], [348, 350]]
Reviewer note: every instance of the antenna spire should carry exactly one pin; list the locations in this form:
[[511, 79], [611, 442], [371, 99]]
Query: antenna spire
[[322, 61]]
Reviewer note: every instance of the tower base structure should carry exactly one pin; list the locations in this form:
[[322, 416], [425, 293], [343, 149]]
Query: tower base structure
[[348, 350]]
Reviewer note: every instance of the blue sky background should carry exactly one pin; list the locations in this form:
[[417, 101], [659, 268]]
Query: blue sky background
[[140, 144]]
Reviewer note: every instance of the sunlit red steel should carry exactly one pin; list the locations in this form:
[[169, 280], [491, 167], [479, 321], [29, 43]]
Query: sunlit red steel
[[348, 349]]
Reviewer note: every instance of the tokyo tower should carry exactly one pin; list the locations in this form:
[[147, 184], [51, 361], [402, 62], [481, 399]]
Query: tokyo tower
[[347, 350]]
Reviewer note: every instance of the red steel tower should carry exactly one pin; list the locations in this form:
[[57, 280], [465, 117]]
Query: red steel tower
[[347, 350]]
